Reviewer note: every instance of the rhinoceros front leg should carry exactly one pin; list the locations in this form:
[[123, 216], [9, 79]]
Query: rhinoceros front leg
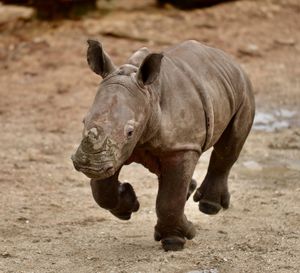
[[174, 187], [118, 198]]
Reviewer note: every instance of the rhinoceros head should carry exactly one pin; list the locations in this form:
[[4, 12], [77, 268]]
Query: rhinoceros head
[[119, 114]]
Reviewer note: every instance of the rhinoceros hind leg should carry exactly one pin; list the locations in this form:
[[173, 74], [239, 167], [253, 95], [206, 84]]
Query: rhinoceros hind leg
[[213, 193]]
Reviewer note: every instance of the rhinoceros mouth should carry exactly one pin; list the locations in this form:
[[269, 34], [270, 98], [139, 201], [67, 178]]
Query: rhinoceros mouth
[[100, 170], [96, 173]]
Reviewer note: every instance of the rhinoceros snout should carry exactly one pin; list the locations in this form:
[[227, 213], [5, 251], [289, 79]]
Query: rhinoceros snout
[[78, 163], [102, 170], [95, 162]]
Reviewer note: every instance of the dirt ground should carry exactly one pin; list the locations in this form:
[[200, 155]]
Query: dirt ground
[[49, 221]]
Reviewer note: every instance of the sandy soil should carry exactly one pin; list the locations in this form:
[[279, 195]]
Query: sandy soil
[[49, 221]]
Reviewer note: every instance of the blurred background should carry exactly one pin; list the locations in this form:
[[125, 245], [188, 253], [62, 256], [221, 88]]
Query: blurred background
[[48, 219]]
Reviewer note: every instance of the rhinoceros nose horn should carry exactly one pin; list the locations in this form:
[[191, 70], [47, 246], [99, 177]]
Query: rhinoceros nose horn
[[93, 131]]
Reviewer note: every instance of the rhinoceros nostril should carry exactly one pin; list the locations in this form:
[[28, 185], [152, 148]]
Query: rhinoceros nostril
[[109, 169], [84, 159]]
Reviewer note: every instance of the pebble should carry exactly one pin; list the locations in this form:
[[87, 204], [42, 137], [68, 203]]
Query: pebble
[[252, 165], [250, 50], [213, 270], [11, 13], [6, 255], [285, 42], [23, 219]]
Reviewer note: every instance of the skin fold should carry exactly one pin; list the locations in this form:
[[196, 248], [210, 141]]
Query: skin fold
[[163, 110]]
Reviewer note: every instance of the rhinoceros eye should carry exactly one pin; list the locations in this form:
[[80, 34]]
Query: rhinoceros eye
[[129, 130]]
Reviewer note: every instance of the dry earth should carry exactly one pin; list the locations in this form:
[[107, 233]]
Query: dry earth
[[48, 219]]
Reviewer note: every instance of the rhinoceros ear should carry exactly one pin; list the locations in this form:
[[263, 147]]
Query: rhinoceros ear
[[149, 69], [98, 59], [137, 58]]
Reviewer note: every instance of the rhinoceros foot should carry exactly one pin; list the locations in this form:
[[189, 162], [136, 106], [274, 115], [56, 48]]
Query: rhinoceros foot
[[173, 237], [128, 202], [212, 197], [209, 207]]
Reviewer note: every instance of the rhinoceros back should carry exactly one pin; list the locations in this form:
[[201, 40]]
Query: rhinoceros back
[[201, 90]]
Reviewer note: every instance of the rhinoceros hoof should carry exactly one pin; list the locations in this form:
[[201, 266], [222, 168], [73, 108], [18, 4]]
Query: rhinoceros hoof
[[173, 243], [212, 207], [126, 215], [211, 202], [128, 202], [123, 216], [209, 207]]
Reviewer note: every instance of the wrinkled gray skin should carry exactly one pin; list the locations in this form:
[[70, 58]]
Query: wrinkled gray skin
[[163, 111]]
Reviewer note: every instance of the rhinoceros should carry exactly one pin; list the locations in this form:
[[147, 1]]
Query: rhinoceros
[[163, 110]]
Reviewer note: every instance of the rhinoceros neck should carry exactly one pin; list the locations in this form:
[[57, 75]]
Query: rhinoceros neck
[[153, 123]]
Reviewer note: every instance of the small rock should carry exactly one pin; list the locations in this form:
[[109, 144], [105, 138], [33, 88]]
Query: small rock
[[250, 50], [206, 25], [213, 270], [285, 113], [285, 42], [19, 166], [252, 165], [6, 255], [23, 219], [11, 13], [92, 258]]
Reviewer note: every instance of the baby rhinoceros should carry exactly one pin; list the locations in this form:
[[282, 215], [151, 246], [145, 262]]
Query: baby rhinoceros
[[163, 110]]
